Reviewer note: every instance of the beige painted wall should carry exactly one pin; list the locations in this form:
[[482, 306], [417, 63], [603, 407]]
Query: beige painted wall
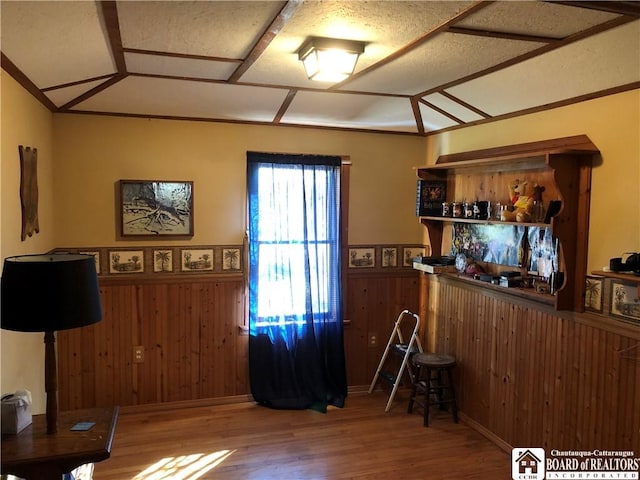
[[613, 125], [24, 121], [94, 152]]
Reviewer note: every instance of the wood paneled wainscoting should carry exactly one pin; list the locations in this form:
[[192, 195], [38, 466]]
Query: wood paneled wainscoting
[[530, 376], [191, 328]]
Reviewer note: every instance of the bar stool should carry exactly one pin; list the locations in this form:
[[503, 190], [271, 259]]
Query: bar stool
[[431, 383]]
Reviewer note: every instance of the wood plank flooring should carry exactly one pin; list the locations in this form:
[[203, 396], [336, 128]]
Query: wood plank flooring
[[244, 441]]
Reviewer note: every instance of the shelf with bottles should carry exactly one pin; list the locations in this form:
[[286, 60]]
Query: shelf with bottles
[[562, 167]]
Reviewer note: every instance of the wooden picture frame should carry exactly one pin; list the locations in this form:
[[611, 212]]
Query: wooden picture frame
[[156, 208], [163, 260], [360, 257], [196, 259], [625, 300], [594, 293], [126, 261]]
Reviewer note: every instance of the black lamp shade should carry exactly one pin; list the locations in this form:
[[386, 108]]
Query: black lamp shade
[[45, 293]]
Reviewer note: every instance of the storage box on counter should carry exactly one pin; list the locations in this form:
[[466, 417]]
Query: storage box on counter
[[434, 264], [16, 412]]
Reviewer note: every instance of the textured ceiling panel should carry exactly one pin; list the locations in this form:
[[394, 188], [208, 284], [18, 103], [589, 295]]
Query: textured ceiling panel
[[459, 111], [162, 97], [433, 120], [237, 60], [210, 28], [597, 63], [50, 53], [351, 111], [179, 66], [384, 27], [447, 57], [534, 18], [61, 96]]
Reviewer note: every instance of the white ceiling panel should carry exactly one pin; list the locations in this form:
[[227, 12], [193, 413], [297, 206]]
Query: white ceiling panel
[[434, 120], [62, 96], [535, 18], [162, 97], [597, 63], [384, 27], [179, 66], [178, 58], [445, 58], [50, 53], [351, 111], [211, 28], [454, 108]]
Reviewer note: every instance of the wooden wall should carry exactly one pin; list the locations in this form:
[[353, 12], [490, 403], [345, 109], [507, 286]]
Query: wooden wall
[[195, 347], [531, 377]]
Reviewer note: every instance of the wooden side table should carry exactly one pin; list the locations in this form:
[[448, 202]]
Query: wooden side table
[[34, 455]]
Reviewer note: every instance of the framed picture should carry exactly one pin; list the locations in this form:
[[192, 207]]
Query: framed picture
[[389, 257], [625, 300], [362, 257], [430, 194], [196, 260], [126, 261], [231, 259], [593, 294], [409, 253], [156, 208], [163, 261]]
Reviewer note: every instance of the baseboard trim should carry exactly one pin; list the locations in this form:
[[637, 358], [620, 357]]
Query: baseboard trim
[[182, 404], [485, 432], [209, 402]]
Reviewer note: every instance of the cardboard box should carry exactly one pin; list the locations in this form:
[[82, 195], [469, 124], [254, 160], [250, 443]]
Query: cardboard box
[[16, 413]]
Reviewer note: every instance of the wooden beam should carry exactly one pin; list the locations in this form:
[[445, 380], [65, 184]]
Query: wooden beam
[[267, 37], [502, 35], [112, 23], [19, 76], [473, 8], [285, 105]]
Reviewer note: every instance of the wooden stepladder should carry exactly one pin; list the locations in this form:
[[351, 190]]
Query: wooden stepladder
[[397, 345]]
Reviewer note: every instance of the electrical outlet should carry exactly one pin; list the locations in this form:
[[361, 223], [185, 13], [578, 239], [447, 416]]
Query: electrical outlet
[[373, 339], [138, 354]]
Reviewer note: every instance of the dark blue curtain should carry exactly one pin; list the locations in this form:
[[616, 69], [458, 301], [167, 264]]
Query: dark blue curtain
[[296, 350]]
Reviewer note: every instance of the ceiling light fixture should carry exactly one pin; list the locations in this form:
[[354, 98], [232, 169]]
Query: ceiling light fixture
[[329, 59]]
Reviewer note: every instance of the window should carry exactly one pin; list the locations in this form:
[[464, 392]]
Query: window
[[296, 350], [286, 236]]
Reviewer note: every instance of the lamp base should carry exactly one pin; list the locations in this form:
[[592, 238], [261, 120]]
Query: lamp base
[[51, 381]]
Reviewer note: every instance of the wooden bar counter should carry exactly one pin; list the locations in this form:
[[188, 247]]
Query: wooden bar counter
[[33, 454]]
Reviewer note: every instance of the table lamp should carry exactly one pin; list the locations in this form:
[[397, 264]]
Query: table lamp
[[45, 293]]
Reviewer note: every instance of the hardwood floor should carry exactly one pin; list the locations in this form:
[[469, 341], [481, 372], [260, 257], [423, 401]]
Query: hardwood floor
[[244, 441]]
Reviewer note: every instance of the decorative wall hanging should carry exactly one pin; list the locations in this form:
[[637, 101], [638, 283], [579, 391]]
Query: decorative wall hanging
[[362, 257], [625, 300], [126, 261], [163, 260], [29, 190], [594, 293], [501, 244], [156, 208], [196, 260]]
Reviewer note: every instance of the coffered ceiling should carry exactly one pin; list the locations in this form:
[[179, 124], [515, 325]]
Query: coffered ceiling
[[428, 66]]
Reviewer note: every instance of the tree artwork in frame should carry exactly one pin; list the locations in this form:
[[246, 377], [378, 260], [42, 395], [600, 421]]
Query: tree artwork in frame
[[156, 208]]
